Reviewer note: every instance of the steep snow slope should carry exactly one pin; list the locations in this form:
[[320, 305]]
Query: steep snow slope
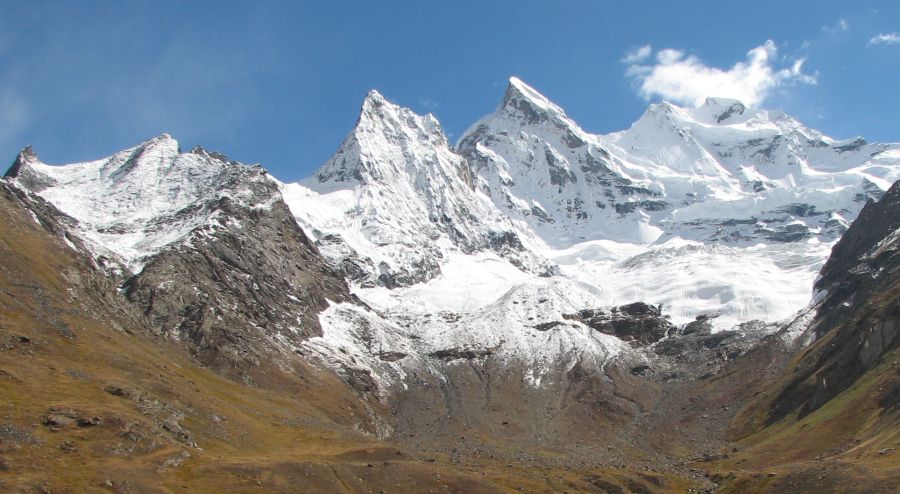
[[744, 175], [134, 203], [482, 251], [540, 167], [395, 200], [720, 172]]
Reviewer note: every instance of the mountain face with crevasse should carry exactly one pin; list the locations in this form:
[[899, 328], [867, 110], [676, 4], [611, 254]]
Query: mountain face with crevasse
[[534, 283]]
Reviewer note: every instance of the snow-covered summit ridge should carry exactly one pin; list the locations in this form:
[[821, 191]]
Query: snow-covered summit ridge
[[718, 172], [136, 202], [720, 110], [395, 200], [518, 94], [377, 149]]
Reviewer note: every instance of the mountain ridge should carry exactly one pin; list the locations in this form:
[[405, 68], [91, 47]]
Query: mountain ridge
[[480, 308], [463, 201]]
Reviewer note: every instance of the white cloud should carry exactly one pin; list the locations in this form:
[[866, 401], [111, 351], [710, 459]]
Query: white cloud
[[885, 39], [839, 27], [638, 54], [687, 80]]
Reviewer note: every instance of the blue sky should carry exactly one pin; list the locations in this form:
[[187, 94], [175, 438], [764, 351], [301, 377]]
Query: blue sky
[[280, 83]]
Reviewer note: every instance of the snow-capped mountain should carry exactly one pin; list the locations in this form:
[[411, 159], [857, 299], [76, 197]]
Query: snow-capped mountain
[[204, 246], [738, 175], [512, 246], [139, 201], [540, 167], [720, 172], [395, 201]]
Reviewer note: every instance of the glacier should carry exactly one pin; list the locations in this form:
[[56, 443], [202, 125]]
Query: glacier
[[722, 211]]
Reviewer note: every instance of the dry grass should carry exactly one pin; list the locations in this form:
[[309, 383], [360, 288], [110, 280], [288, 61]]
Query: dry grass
[[161, 423]]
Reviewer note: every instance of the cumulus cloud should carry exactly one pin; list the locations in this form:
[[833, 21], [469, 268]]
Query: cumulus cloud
[[839, 27], [885, 39], [638, 54], [685, 79]]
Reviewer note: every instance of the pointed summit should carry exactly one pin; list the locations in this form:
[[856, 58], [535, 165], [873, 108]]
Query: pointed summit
[[162, 143], [520, 98], [25, 157], [375, 111], [379, 111], [720, 110], [150, 156], [384, 134], [373, 101]]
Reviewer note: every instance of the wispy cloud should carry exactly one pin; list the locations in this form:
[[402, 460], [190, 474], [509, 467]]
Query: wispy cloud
[[685, 79], [638, 54], [428, 104], [885, 39], [14, 117], [840, 26]]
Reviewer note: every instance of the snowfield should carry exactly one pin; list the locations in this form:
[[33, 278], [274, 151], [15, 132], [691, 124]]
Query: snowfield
[[721, 210]]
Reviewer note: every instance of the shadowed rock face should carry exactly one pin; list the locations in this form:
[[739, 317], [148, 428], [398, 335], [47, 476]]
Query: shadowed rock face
[[858, 318], [235, 278], [638, 322], [248, 284]]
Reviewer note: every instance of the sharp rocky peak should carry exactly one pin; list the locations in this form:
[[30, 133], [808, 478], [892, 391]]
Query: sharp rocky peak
[[377, 113], [25, 157], [523, 101], [523, 108], [383, 130]]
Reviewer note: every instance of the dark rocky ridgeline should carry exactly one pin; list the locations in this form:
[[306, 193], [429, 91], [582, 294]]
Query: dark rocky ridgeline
[[639, 322], [857, 319], [240, 288]]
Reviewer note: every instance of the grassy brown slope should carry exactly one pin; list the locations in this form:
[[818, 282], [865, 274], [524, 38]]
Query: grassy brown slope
[[831, 423], [91, 400], [848, 445]]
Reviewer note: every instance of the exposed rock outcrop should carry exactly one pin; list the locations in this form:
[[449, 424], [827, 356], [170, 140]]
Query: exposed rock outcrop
[[638, 322], [238, 288], [857, 318]]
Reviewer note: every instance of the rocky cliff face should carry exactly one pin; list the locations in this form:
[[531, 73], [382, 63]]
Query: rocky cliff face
[[239, 287], [857, 320], [219, 262]]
